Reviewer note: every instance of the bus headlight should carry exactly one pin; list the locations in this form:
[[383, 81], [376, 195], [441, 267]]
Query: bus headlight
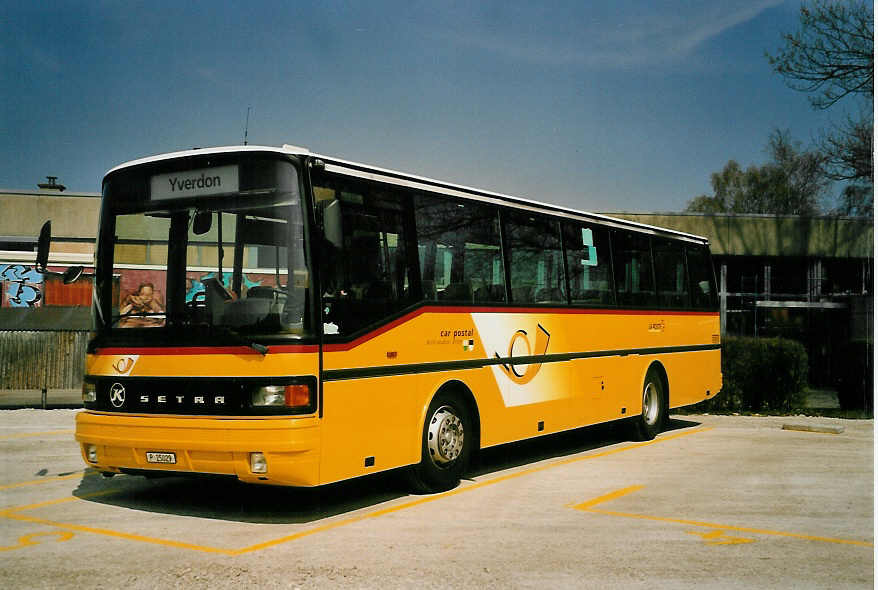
[[269, 395], [291, 396], [91, 451], [89, 392]]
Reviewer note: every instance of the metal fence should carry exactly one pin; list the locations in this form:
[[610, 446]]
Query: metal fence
[[42, 360]]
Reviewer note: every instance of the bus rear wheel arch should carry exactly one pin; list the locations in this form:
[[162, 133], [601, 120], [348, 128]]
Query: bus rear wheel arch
[[448, 440]]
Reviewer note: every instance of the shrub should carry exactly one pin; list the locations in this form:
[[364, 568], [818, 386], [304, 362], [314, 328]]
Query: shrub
[[768, 374]]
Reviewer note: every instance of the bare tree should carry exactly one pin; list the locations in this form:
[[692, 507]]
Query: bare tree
[[831, 55], [848, 149]]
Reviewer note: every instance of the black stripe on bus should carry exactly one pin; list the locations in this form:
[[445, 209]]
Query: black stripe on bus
[[392, 370]]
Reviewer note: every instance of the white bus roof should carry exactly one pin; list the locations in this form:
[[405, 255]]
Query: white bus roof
[[407, 179]]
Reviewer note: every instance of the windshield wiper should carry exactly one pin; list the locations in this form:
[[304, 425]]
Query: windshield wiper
[[237, 336], [260, 348]]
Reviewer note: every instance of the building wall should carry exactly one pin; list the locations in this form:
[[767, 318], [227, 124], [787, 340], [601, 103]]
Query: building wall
[[771, 235], [73, 215]]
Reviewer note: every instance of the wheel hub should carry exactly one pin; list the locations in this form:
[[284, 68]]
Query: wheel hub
[[650, 404], [445, 436]]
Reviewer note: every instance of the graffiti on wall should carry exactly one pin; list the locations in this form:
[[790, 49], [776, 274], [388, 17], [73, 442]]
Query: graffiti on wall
[[21, 285]]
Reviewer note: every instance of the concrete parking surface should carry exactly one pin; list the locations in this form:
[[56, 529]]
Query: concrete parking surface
[[716, 501]]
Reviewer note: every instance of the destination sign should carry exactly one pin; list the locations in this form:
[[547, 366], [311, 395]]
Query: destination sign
[[204, 182]]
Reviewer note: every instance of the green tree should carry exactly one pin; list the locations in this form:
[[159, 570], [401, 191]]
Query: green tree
[[831, 57], [791, 183]]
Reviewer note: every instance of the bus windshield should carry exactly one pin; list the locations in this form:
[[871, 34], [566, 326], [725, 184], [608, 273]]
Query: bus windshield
[[228, 264]]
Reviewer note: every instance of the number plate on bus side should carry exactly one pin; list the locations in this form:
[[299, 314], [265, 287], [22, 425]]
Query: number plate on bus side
[[161, 458]]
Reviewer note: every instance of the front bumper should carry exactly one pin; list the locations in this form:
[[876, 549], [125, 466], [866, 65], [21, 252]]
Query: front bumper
[[216, 445]]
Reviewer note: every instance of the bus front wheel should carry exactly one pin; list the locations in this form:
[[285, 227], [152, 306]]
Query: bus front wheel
[[446, 445], [652, 417]]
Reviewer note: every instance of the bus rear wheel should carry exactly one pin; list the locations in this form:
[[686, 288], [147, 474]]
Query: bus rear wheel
[[446, 445], [652, 416]]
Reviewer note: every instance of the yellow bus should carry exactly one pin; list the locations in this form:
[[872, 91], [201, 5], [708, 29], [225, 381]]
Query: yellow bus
[[289, 318]]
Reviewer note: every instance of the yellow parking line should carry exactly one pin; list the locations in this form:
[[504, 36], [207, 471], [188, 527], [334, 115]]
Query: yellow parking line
[[739, 529], [589, 506], [29, 434], [14, 513], [33, 482], [8, 511], [585, 506], [118, 534]]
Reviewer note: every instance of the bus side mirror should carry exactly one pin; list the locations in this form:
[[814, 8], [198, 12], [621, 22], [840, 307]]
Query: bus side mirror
[[202, 222], [72, 274], [43, 247]]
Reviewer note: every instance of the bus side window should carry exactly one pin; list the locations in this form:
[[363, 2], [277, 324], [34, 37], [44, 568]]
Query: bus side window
[[459, 250], [588, 264], [701, 277], [364, 269], [536, 266], [632, 263], [670, 274]]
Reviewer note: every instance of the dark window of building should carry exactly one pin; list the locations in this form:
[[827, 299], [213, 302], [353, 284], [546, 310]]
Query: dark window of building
[[789, 278], [745, 275], [588, 264], [536, 266], [19, 244], [847, 276]]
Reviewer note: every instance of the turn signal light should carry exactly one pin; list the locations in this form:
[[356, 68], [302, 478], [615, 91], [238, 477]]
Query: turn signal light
[[297, 395]]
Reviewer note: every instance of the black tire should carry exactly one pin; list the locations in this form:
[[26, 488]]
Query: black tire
[[654, 410], [446, 445]]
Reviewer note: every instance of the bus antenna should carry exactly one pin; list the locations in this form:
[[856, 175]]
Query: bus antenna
[[247, 125]]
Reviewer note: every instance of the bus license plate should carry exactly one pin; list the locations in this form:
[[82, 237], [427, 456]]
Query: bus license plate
[[161, 458]]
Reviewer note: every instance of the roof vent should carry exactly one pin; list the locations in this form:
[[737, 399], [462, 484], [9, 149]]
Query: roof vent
[[51, 185], [295, 148]]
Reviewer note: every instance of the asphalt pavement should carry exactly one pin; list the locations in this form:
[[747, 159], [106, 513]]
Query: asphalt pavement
[[715, 501]]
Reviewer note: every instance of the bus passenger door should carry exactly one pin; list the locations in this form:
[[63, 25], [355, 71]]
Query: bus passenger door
[[369, 415]]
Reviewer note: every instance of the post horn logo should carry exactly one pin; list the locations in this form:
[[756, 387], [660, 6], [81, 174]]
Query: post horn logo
[[123, 365], [520, 340]]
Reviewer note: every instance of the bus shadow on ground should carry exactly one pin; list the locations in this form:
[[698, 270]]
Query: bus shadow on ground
[[563, 444], [222, 498]]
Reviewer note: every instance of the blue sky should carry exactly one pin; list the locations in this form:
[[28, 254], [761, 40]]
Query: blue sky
[[601, 106]]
